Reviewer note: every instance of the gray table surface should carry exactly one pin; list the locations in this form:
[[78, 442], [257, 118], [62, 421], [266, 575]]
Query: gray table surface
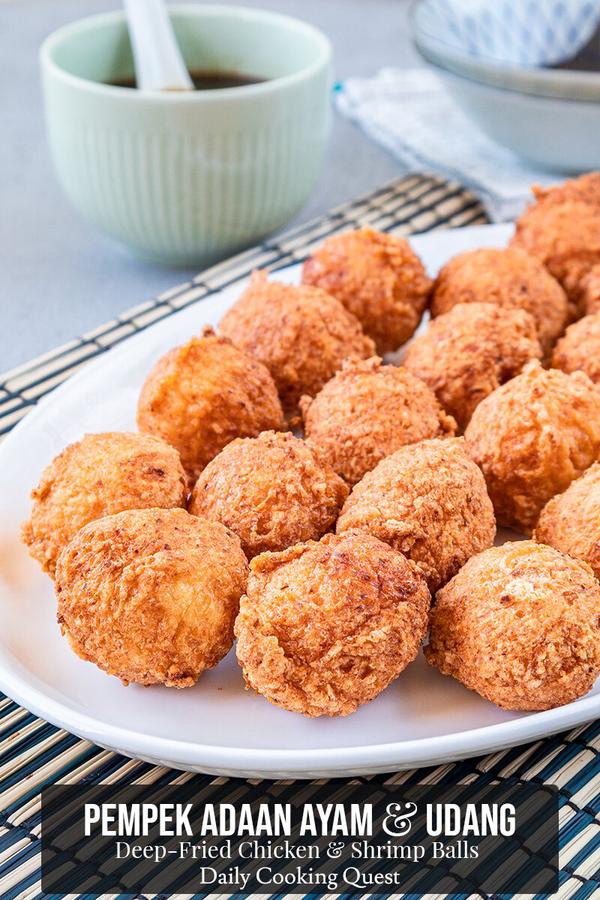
[[58, 276]]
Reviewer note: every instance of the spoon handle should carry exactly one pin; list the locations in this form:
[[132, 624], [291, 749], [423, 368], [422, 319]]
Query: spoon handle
[[159, 65]]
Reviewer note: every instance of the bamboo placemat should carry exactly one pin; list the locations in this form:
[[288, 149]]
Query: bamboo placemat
[[34, 753]]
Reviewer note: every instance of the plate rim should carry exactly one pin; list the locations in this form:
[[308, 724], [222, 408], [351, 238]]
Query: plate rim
[[330, 759]]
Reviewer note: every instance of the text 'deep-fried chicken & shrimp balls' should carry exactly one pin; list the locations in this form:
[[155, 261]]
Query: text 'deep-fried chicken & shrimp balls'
[[520, 625], [471, 350], [300, 333], [579, 349], [367, 411], [428, 501], [325, 627], [571, 521], [151, 595], [378, 277], [202, 395], [100, 475], [565, 237], [532, 437], [508, 278], [272, 491]]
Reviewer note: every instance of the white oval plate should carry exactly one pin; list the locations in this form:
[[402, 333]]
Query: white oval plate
[[217, 726]]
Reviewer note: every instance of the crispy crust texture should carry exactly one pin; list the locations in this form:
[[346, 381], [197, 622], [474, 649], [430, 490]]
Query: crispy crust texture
[[571, 521], [585, 189], [565, 237], [579, 349], [471, 350], [151, 595], [272, 491], [301, 334], [201, 396], [590, 291], [519, 624], [510, 279], [100, 475], [532, 437], [369, 410], [429, 501], [378, 277], [325, 627]]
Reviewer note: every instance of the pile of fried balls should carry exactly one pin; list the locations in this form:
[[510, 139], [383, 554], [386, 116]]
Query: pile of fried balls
[[333, 556]]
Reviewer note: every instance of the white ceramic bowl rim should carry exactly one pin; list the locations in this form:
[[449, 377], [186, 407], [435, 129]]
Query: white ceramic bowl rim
[[582, 88], [322, 56], [540, 74], [518, 94]]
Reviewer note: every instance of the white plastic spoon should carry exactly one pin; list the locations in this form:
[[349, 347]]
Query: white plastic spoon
[[159, 65]]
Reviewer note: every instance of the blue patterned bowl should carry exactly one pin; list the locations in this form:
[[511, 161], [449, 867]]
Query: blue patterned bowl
[[525, 33], [511, 43]]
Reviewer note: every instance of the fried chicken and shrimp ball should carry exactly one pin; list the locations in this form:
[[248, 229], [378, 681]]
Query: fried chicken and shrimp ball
[[585, 188], [579, 349], [565, 237], [428, 501], [378, 277], [97, 476], [272, 491], [559, 230], [300, 333], [532, 437], [367, 411], [201, 396], [510, 279], [469, 351], [325, 627], [571, 521], [520, 625], [151, 595]]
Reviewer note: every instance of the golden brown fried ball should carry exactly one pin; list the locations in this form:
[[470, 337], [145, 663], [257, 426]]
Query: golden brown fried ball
[[272, 491], [585, 188], [579, 349], [510, 279], [468, 352], [325, 627], [590, 291], [565, 237], [532, 437], [378, 277], [428, 501], [201, 396], [367, 411], [300, 333], [571, 521], [519, 624], [97, 476], [151, 595]]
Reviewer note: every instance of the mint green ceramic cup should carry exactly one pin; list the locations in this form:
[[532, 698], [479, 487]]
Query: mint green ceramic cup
[[186, 178]]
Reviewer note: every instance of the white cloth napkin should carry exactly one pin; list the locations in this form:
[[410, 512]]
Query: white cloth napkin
[[411, 113]]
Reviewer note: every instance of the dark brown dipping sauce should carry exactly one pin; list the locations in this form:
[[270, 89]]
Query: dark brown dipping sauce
[[205, 81]]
